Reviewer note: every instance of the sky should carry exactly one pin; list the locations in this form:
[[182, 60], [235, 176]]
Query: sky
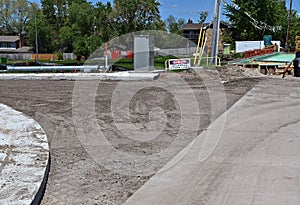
[[190, 8], [183, 8]]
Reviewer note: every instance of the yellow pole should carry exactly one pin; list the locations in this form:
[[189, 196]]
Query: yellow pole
[[201, 49], [199, 39]]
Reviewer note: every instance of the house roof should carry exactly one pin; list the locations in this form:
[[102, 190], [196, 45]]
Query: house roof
[[9, 38], [197, 26], [194, 26]]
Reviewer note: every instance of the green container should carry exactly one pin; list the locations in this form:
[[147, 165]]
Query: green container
[[3, 60], [267, 40], [226, 49]]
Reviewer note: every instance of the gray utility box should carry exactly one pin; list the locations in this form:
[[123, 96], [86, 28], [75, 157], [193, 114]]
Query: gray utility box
[[143, 53]]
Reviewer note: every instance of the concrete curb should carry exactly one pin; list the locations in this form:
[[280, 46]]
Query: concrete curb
[[127, 76], [24, 158]]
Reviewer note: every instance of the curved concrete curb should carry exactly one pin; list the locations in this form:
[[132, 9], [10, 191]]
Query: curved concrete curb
[[124, 76], [24, 158]]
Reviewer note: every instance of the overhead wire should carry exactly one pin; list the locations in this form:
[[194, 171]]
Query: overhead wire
[[260, 25]]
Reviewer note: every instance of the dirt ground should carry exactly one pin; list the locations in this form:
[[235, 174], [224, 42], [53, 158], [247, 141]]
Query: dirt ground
[[76, 177]]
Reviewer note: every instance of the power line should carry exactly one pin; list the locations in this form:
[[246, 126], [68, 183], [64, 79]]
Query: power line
[[260, 25]]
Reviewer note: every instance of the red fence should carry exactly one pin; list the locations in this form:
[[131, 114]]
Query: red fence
[[258, 52]]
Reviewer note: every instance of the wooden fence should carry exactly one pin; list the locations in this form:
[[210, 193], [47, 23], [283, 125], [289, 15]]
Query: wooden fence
[[31, 56]]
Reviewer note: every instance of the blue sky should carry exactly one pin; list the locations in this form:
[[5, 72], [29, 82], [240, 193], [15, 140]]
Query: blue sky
[[183, 8], [190, 8]]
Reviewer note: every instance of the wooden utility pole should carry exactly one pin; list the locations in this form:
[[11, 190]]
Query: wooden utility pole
[[215, 34], [289, 25]]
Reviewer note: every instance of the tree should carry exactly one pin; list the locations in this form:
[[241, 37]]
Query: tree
[[13, 16], [106, 28], [85, 45], [56, 11], [5, 16], [202, 16], [171, 24], [19, 16], [254, 19], [134, 15], [46, 43], [174, 26], [190, 21]]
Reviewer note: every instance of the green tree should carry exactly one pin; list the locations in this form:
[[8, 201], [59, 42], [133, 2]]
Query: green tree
[[133, 15], [254, 19], [45, 32], [85, 45], [56, 11], [19, 16], [202, 16], [82, 32], [13, 16], [173, 25], [106, 28], [6, 12]]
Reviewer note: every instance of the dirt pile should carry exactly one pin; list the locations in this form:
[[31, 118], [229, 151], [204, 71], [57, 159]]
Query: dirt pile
[[230, 72]]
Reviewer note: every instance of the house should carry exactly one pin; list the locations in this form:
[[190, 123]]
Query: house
[[13, 44], [191, 31]]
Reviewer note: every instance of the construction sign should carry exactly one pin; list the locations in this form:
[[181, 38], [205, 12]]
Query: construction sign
[[179, 64]]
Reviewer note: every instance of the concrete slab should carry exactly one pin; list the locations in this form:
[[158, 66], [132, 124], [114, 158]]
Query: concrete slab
[[256, 161], [24, 158], [82, 76]]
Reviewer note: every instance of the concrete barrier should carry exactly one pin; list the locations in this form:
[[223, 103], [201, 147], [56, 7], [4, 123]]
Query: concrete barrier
[[24, 158]]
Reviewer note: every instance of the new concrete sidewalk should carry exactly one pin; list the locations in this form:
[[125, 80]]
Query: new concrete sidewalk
[[24, 158], [256, 160]]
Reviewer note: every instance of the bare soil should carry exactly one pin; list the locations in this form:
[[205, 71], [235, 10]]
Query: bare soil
[[75, 177]]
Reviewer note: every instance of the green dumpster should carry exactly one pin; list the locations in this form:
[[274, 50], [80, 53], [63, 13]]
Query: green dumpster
[[267, 40], [3, 60]]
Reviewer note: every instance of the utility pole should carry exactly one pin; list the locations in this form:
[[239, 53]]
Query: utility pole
[[36, 32], [216, 33], [289, 25]]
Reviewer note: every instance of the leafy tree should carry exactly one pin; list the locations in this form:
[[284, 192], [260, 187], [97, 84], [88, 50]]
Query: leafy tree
[[106, 28], [133, 15], [202, 16], [5, 16], [56, 11], [66, 36], [173, 25], [81, 16], [85, 45], [254, 19], [19, 16], [13, 16], [45, 32], [190, 21]]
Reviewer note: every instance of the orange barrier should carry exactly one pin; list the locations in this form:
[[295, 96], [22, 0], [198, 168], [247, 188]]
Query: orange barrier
[[45, 56]]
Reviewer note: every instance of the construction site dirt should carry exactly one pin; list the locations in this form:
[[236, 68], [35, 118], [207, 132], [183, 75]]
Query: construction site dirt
[[75, 176]]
